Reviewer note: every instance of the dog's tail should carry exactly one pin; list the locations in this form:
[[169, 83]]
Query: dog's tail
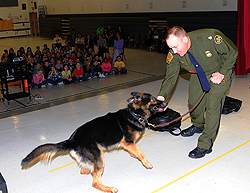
[[45, 153]]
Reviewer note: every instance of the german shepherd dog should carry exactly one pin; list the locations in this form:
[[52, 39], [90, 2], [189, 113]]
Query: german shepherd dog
[[87, 144]]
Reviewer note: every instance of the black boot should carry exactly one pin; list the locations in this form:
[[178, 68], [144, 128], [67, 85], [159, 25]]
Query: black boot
[[190, 131], [199, 153]]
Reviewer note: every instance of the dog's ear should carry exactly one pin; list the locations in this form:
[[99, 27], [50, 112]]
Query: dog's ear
[[134, 99], [135, 93]]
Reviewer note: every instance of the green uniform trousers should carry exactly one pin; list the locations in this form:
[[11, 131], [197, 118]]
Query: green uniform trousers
[[208, 113]]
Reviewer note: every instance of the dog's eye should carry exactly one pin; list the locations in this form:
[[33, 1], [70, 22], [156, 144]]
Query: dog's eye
[[153, 99], [138, 98]]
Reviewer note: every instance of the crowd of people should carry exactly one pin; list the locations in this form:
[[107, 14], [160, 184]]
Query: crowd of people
[[75, 61]]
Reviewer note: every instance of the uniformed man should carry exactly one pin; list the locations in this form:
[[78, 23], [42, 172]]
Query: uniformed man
[[215, 56]]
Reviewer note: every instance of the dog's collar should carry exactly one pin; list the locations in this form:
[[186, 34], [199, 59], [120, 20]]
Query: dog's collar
[[138, 117]]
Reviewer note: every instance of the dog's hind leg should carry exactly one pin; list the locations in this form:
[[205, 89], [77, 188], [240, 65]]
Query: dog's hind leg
[[97, 173], [85, 164], [135, 151], [85, 171]]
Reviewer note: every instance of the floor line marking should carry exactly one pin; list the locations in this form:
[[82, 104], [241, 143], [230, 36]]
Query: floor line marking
[[201, 167], [141, 137], [62, 166]]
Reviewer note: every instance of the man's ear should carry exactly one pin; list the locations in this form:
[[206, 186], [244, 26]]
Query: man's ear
[[185, 39]]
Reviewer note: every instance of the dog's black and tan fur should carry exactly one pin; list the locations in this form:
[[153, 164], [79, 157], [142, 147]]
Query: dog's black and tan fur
[[113, 130]]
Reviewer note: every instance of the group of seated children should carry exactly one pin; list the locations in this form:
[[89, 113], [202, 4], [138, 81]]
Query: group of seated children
[[66, 64], [69, 70], [46, 75]]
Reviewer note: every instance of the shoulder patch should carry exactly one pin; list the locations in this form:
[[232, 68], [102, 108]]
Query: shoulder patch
[[218, 39], [169, 57]]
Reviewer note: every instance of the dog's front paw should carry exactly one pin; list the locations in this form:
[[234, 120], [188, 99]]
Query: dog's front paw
[[148, 165], [103, 188], [113, 190]]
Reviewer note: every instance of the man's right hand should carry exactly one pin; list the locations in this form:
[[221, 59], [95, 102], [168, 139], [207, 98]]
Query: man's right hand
[[161, 98]]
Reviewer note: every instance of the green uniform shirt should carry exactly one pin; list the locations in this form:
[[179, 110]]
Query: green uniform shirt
[[210, 47], [100, 31]]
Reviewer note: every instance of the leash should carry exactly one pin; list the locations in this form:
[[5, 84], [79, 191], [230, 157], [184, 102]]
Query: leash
[[167, 123]]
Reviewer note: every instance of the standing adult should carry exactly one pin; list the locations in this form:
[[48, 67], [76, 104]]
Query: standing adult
[[102, 46], [79, 41], [163, 47], [152, 38], [70, 39], [109, 36], [121, 32], [215, 54], [118, 46], [89, 42], [99, 31]]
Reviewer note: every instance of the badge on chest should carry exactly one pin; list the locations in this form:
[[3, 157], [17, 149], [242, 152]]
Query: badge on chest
[[208, 54]]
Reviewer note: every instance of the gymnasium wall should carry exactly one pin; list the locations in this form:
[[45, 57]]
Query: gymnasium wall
[[20, 16], [138, 6], [135, 16]]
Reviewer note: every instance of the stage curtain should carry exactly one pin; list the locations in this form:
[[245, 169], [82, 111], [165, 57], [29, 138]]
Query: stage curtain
[[243, 38]]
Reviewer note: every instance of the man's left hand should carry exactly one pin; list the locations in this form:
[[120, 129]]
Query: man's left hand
[[217, 78]]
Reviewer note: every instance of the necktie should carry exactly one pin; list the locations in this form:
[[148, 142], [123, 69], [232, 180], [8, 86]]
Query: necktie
[[203, 79]]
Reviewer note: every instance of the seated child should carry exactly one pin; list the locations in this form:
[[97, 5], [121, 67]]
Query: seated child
[[90, 59], [38, 79], [68, 56], [87, 66], [67, 50], [75, 49], [79, 73], [57, 41], [38, 58], [56, 50], [66, 75], [89, 51], [59, 65], [71, 65], [53, 61], [58, 56], [96, 70], [106, 67], [38, 67], [110, 59], [54, 77], [120, 66], [93, 54], [73, 56], [80, 56], [38, 51], [97, 58], [65, 60], [46, 68], [78, 60]]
